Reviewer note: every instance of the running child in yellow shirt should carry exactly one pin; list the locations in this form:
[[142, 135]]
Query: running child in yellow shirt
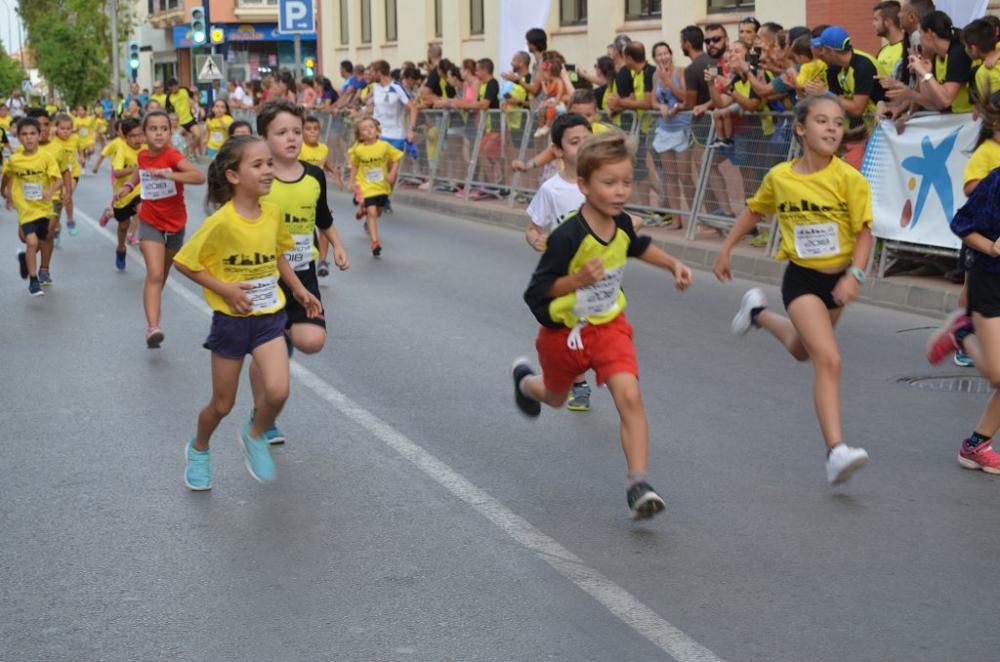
[[374, 166], [217, 127]]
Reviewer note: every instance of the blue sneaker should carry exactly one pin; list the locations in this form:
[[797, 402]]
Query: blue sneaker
[[120, 260], [71, 226], [272, 434], [197, 468], [963, 360], [44, 277], [256, 455]]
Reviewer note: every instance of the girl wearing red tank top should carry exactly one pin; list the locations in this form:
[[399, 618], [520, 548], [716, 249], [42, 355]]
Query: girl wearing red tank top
[[163, 172]]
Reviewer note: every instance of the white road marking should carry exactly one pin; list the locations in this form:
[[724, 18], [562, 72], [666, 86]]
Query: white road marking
[[625, 606]]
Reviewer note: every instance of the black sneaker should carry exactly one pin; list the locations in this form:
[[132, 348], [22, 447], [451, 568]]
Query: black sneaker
[[22, 263], [35, 288], [643, 501], [528, 406]]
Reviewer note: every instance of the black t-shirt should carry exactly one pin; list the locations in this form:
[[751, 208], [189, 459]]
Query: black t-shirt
[[625, 80], [694, 77], [490, 91], [857, 78], [433, 83], [600, 92]]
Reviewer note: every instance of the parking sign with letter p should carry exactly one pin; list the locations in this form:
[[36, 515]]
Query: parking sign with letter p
[[295, 16]]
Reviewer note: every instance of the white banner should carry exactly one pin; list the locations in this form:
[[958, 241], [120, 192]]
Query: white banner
[[917, 177], [962, 12], [516, 18]]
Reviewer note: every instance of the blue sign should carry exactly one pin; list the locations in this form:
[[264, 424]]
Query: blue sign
[[239, 32], [296, 16]]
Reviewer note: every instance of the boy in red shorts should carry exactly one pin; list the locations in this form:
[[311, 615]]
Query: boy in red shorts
[[575, 293]]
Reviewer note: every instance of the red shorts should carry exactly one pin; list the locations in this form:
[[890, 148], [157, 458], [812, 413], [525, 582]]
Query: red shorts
[[489, 146], [607, 350]]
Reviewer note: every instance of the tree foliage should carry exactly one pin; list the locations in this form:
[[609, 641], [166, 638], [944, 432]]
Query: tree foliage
[[71, 42], [11, 73]]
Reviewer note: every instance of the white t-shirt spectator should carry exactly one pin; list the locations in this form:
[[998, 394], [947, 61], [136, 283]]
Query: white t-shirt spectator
[[238, 97], [555, 199], [390, 109], [16, 106]]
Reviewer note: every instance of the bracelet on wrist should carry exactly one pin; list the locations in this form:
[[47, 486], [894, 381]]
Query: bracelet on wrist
[[858, 274]]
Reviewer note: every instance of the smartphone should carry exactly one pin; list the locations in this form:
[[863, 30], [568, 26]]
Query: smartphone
[[753, 59], [713, 70]]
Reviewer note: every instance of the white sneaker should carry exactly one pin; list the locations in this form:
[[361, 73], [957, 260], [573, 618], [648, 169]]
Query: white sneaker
[[843, 462], [754, 298]]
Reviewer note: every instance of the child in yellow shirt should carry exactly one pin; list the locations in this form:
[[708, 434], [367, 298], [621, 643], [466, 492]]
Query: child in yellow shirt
[[217, 127], [374, 167]]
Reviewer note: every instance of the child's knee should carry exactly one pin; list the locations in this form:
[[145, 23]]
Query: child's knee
[[221, 405], [827, 361]]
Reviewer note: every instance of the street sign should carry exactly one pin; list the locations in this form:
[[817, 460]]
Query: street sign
[[210, 69], [296, 16]]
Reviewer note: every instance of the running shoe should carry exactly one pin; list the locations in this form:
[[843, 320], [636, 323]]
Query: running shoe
[[376, 248], [528, 406], [963, 360], [643, 501], [843, 461], [132, 239], [44, 277], [256, 455], [743, 321], [120, 260], [71, 226], [105, 216], [579, 397], [197, 468], [272, 434], [56, 240], [944, 341], [35, 288], [359, 214], [323, 269], [760, 241], [154, 337], [22, 263], [980, 457]]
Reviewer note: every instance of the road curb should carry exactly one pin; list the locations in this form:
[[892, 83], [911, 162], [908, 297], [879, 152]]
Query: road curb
[[935, 300]]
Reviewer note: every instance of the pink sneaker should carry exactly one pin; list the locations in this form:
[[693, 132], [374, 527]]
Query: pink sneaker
[[105, 217], [132, 240], [981, 457], [943, 342]]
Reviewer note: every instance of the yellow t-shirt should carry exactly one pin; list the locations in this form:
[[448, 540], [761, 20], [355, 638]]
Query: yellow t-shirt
[[235, 249], [982, 162], [160, 99], [5, 123], [314, 154], [888, 57], [125, 157], [515, 108], [597, 128], [112, 147], [72, 148], [218, 130], [819, 214], [962, 103], [180, 101], [60, 156], [51, 109], [304, 209], [100, 126], [812, 71], [372, 163], [987, 81], [85, 129], [30, 176]]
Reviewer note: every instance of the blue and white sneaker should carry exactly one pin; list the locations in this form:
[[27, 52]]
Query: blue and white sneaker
[[256, 455], [197, 468], [71, 225], [963, 360], [272, 434]]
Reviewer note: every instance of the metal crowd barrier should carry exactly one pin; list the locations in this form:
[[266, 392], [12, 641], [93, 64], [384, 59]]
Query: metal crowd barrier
[[698, 181]]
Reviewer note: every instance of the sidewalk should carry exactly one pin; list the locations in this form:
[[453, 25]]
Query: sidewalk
[[923, 295]]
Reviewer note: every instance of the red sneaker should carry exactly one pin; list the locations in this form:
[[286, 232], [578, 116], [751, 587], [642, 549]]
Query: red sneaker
[[359, 214], [105, 217], [943, 342], [981, 457]]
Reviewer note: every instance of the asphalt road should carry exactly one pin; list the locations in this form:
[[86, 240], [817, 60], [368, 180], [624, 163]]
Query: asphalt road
[[418, 516]]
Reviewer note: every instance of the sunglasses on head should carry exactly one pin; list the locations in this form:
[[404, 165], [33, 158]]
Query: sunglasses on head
[[713, 40]]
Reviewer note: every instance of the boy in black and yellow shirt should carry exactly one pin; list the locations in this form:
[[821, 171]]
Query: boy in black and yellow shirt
[[31, 178], [576, 295]]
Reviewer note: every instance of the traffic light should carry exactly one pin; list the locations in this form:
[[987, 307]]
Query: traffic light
[[310, 65], [199, 27], [133, 58], [217, 35]]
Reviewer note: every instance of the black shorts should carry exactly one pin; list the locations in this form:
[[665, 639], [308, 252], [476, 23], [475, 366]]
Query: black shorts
[[235, 337], [799, 281], [296, 313], [125, 214], [984, 292], [187, 127], [376, 201], [39, 228]]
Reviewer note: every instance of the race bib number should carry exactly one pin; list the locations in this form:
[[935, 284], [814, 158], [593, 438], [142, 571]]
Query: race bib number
[[601, 297], [818, 240], [216, 137], [84, 132], [300, 256], [374, 175], [31, 190], [264, 294], [155, 188]]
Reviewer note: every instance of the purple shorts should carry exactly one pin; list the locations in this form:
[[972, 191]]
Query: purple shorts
[[235, 337]]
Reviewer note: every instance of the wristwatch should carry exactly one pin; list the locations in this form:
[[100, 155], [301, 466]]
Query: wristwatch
[[926, 77], [858, 274]]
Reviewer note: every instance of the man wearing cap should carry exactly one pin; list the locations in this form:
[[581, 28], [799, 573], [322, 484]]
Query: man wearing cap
[[850, 74]]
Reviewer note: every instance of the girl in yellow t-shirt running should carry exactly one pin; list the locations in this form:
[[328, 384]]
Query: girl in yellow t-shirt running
[[374, 166], [237, 256], [217, 127], [824, 212]]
